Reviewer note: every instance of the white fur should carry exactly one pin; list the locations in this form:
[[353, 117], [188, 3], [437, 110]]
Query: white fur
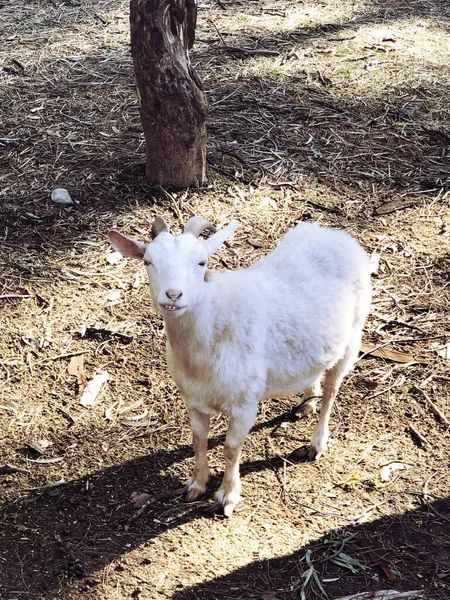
[[272, 329]]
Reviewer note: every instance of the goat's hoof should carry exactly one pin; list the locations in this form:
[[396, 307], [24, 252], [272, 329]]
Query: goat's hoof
[[228, 509], [300, 454], [305, 410], [194, 494], [226, 502], [315, 453], [218, 507], [191, 492]]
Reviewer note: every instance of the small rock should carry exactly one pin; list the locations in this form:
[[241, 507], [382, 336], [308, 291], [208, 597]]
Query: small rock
[[61, 196], [407, 111], [114, 296], [374, 263], [113, 258], [139, 500]]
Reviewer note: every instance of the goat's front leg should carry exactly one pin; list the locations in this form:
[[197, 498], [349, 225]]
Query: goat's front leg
[[240, 424], [196, 484]]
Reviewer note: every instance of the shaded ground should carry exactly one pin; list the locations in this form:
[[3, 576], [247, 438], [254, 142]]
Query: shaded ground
[[332, 111]]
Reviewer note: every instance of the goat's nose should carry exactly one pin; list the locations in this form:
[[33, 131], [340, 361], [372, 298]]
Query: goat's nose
[[174, 294]]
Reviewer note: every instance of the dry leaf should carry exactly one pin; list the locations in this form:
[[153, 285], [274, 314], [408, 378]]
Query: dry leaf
[[92, 389], [390, 354], [10, 406], [386, 471], [388, 572], [76, 368], [393, 205]]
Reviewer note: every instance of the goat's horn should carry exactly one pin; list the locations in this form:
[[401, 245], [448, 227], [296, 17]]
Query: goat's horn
[[196, 225], [159, 225]]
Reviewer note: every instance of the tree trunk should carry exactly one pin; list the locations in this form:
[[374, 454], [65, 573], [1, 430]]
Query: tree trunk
[[171, 99]]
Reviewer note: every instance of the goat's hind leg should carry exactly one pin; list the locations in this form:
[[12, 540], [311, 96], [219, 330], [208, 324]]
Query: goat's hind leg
[[311, 394], [196, 484], [332, 382]]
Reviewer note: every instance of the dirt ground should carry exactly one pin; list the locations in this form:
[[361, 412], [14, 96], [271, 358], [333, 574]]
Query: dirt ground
[[330, 111]]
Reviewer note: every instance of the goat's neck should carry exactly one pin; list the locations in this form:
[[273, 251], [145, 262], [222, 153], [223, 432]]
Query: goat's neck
[[194, 328]]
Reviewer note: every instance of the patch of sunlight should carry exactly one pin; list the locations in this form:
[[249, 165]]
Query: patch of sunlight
[[414, 39], [273, 21]]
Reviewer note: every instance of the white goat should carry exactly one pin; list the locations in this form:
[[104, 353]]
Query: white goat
[[272, 329]]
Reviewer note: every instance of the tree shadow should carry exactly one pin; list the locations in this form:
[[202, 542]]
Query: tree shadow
[[277, 125], [67, 532], [56, 541], [394, 552], [88, 137]]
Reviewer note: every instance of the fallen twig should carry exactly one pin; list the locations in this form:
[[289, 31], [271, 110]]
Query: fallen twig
[[425, 485], [249, 51], [70, 354], [6, 469], [7, 296], [433, 406], [384, 595], [330, 209], [417, 434]]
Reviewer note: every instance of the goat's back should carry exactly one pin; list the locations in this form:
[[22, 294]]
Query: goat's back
[[315, 252]]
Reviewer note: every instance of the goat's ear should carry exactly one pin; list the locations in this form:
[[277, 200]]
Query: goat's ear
[[126, 246], [216, 240]]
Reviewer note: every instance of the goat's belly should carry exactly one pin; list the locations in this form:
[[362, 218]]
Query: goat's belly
[[286, 386]]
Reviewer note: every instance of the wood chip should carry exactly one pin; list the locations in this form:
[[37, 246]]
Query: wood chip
[[6, 469], [76, 368], [139, 500]]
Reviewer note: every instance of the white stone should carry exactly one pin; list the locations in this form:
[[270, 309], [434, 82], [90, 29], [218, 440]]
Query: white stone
[[61, 196], [113, 258]]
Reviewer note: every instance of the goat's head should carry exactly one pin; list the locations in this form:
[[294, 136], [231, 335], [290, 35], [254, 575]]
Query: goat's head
[[176, 264]]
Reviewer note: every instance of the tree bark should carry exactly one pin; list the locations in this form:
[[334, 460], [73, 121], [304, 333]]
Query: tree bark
[[172, 102]]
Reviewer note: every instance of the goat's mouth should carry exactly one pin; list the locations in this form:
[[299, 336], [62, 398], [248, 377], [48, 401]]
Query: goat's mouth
[[170, 307]]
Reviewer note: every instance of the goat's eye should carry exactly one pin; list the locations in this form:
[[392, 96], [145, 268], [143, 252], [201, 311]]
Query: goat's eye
[[202, 263], [147, 263]]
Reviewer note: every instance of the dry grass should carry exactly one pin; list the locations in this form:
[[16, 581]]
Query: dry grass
[[345, 123]]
